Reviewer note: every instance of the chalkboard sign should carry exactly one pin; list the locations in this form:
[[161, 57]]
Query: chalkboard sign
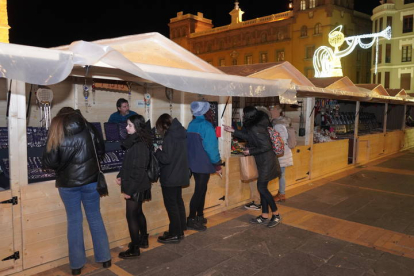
[[215, 115]]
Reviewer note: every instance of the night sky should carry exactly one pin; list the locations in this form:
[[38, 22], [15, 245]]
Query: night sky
[[49, 23]]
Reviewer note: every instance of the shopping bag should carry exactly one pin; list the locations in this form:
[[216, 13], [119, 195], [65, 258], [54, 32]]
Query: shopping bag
[[248, 168]]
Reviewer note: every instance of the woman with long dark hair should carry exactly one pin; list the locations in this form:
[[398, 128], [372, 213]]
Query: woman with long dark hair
[[135, 184], [172, 156], [255, 132], [69, 151]]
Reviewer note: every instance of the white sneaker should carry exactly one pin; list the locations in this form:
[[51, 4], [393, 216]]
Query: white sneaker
[[253, 206]]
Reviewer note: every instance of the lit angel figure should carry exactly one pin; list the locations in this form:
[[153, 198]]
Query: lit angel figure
[[327, 62]]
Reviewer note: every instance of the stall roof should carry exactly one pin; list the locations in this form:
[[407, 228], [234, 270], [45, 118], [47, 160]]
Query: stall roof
[[269, 71], [186, 72], [397, 92]]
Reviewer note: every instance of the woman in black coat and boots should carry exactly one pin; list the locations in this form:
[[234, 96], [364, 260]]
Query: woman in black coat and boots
[[174, 174], [135, 184], [259, 145]]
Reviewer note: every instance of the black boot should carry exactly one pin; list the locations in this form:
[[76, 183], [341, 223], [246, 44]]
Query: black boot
[[201, 219], [76, 271], [131, 252], [107, 264], [143, 242], [194, 224]]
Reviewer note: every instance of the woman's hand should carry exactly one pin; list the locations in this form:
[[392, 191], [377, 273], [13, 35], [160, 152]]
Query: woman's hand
[[118, 181], [228, 128], [127, 196], [246, 151]]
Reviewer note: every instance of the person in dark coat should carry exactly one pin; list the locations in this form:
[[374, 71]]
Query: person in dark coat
[[259, 145], [135, 184], [70, 152], [174, 174]]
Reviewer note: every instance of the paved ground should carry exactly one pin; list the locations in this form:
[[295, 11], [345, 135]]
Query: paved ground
[[358, 222]]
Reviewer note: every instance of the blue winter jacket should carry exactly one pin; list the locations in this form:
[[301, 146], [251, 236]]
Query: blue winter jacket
[[206, 130]]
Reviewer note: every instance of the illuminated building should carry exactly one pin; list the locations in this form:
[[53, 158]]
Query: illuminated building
[[395, 61], [293, 36], [4, 24]]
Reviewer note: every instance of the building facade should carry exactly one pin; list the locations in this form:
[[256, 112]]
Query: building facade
[[4, 24], [395, 56], [292, 36]]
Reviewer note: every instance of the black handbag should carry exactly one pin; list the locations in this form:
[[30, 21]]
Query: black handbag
[[101, 186], [153, 169]]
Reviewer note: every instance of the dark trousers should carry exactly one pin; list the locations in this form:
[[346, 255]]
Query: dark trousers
[[266, 197], [137, 223], [199, 196], [174, 204]]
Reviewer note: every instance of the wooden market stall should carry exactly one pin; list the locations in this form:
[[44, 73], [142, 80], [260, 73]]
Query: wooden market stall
[[155, 75]]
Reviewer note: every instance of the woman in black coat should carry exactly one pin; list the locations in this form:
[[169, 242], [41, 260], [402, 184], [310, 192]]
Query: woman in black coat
[[135, 184], [174, 174], [259, 145]]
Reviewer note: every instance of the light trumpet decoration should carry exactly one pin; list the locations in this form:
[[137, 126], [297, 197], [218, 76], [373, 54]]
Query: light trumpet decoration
[[327, 63]]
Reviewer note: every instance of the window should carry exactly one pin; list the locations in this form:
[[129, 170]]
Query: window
[[407, 23], [379, 53], [209, 47], [408, 1], [263, 57], [309, 51], [407, 51], [373, 78], [222, 62], [387, 80], [376, 26], [264, 37], [379, 77], [248, 59], [358, 76], [380, 24], [405, 81], [312, 4], [317, 29], [389, 21], [309, 72], [280, 35], [302, 5], [280, 55], [388, 53], [234, 61], [358, 55], [304, 31]]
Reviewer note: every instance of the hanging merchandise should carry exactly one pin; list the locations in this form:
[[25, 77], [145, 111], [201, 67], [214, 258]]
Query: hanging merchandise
[[129, 91], [169, 93], [44, 97], [147, 99], [302, 130], [93, 91], [86, 89]]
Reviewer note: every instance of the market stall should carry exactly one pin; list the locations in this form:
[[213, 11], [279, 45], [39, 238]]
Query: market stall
[[160, 77]]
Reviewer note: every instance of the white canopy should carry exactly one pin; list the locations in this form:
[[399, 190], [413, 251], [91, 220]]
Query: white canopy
[[49, 66]]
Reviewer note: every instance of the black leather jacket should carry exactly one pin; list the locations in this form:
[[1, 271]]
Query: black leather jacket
[[74, 160]]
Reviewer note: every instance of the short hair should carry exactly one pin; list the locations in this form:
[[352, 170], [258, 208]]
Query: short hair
[[119, 102]]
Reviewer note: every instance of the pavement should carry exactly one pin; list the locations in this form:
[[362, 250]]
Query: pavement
[[356, 222]]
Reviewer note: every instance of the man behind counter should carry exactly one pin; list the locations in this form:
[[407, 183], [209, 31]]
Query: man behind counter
[[123, 112]]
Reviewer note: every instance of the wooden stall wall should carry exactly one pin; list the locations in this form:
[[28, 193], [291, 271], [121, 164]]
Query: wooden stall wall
[[370, 147], [393, 141], [7, 232], [329, 157], [408, 138]]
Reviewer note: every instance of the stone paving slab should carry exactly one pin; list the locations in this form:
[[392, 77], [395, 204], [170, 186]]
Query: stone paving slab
[[404, 162], [237, 247]]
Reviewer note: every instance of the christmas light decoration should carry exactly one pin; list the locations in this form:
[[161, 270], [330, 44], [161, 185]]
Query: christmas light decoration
[[327, 62]]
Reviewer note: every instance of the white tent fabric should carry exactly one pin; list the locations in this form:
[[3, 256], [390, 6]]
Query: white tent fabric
[[48, 66]]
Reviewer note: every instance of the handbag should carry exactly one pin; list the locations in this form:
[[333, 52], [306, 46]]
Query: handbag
[[153, 169], [101, 186], [248, 168], [277, 142]]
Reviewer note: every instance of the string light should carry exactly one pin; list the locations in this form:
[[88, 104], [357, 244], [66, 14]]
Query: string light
[[327, 62]]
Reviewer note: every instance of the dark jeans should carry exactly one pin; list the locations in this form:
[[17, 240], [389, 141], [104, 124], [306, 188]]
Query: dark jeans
[[199, 196], [266, 197], [137, 224], [174, 204]]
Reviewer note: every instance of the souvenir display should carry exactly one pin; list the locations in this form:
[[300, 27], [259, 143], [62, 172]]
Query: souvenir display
[[112, 132], [112, 160], [4, 138], [45, 97]]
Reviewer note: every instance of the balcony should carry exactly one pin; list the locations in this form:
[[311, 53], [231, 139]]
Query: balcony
[[383, 8]]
